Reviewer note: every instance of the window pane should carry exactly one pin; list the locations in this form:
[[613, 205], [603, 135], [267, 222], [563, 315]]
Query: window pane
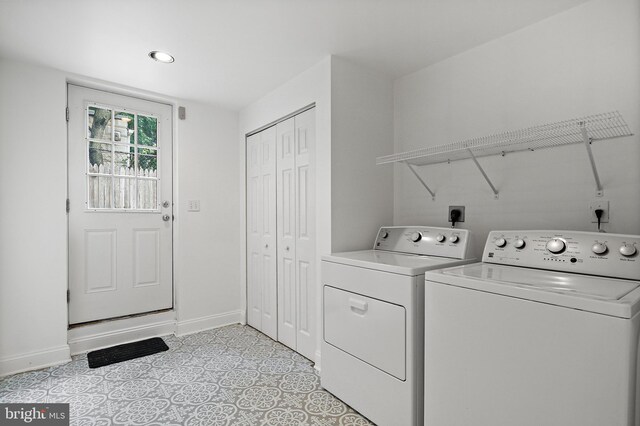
[[147, 162], [124, 127], [99, 192], [124, 160], [124, 147], [99, 123], [124, 193], [147, 131], [148, 151], [100, 157], [147, 194]]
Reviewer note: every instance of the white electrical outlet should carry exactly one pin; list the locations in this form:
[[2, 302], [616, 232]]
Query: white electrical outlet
[[193, 205], [599, 204], [460, 209]]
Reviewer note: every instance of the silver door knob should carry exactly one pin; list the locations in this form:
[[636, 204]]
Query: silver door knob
[[166, 204], [166, 217]]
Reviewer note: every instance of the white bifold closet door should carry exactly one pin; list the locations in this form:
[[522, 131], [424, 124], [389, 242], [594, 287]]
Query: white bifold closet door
[[295, 143], [261, 233], [281, 232]]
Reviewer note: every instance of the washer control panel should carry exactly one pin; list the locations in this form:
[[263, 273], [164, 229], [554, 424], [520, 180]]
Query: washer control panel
[[595, 253], [424, 240]]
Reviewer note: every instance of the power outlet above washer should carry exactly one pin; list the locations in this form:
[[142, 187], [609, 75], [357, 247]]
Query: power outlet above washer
[[599, 204], [460, 209]]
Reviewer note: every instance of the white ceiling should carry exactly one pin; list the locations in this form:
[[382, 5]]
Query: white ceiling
[[231, 52]]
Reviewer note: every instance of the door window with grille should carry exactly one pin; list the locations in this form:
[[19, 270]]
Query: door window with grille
[[122, 159]]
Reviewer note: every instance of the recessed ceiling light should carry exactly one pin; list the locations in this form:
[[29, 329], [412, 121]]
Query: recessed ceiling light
[[161, 56]]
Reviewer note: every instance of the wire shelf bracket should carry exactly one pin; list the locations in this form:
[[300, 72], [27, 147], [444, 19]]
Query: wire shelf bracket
[[475, 160], [415, 173], [584, 130], [587, 143]]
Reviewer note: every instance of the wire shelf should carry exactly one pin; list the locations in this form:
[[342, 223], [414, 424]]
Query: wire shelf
[[600, 126]]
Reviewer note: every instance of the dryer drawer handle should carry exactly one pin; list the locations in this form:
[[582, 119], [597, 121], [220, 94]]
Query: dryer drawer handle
[[359, 305]]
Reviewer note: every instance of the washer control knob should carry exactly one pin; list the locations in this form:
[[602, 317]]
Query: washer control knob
[[519, 243], [454, 239], [440, 238], [416, 236], [628, 250], [384, 234], [599, 248], [556, 246], [501, 242]]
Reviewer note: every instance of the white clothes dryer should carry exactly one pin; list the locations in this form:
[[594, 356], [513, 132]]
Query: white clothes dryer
[[543, 332], [373, 310]]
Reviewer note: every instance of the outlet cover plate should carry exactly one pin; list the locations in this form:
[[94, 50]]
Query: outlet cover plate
[[461, 208], [599, 204]]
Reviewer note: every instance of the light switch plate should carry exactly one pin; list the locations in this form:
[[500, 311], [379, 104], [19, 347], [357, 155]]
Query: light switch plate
[[193, 205]]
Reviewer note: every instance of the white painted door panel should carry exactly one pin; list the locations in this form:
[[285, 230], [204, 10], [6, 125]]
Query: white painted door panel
[[261, 232], [269, 237], [281, 232], [120, 248], [305, 233], [286, 193], [254, 241]]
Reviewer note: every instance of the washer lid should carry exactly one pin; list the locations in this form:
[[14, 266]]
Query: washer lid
[[397, 263], [604, 295]]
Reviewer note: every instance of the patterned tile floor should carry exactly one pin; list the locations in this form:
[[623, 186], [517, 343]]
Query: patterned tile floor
[[232, 375]]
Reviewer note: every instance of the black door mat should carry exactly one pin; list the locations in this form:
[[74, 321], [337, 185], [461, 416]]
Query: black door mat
[[125, 352]]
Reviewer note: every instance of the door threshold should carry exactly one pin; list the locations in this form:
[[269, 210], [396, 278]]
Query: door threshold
[[87, 337], [82, 324]]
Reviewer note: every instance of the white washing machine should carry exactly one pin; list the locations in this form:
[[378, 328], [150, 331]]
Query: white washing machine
[[373, 306], [543, 332]]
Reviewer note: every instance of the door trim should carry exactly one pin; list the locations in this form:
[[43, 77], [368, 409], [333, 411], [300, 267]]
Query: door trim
[[280, 120], [155, 319]]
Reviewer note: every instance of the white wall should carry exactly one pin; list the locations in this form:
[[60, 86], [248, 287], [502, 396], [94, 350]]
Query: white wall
[[353, 125], [311, 86], [361, 130], [33, 223], [208, 244], [207, 278], [580, 62]]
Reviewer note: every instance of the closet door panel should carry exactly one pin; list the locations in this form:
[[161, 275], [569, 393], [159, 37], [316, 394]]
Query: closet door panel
[[268, 234], [254, 233], [286, 194], [305, 233]]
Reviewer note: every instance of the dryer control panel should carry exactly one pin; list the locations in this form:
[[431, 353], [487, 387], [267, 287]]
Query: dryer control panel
[[424, 240], [595, 253]]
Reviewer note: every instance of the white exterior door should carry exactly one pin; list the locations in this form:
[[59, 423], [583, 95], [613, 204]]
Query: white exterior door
[[261, 232], [120, 205], [296, 224]]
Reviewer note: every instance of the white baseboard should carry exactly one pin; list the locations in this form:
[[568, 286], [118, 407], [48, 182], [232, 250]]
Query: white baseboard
[[317, 364], [34, 360], [206, 323], [116, 332]]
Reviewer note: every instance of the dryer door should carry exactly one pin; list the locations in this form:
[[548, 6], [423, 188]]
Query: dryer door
[[367, 328]]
